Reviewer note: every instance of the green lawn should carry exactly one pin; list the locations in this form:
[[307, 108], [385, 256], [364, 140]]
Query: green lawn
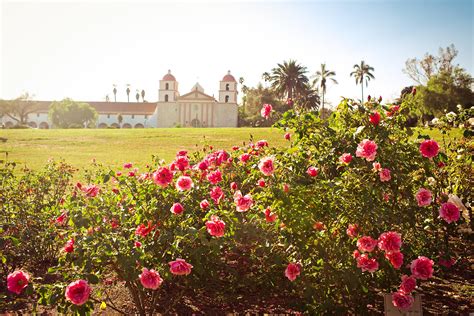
[[113, 147]]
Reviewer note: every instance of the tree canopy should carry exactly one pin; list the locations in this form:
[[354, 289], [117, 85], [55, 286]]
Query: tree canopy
[[70, 114], [19, 108]]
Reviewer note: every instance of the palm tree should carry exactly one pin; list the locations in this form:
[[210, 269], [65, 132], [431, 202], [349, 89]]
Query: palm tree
[[143, 95], [309, 98], [320, 79], [137, 95], [289, 78], [361, 72], [115, 92], [128, 92]]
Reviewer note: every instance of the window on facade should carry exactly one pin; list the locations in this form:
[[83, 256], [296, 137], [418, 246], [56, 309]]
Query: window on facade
[[133, 116], [37, 115], [227, 87], [167, 86], [108, 115], [146, 117], [166, 98], [226, 99]]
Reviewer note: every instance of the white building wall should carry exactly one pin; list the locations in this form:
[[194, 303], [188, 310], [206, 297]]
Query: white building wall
[[225, 115]]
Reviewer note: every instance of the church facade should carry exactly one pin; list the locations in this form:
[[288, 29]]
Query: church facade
[[192, 109]]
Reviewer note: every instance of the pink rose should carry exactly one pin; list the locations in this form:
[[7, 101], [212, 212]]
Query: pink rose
[[402, 301], [269, 216], [366, 263], [423, 197], [69, 247], [345, 158], [376, 166], [150, 279], [395, 258], [385, 175], [215, 227], [17, 281], [61, 219], [184, 183], [449, 212], [446, 262], [429, 148], [408, 284], [143, 230], [127, 165], [286, 187], [356, 254], [78, 292], [292, 271], [203, 165], [234, 186], [266, 166], [262, 143], [366, 244], [180, 267], [390, 241], [91, 190], [204, 204], [261, 183], [266, 110], [243, 203], [162, 177], [245, 157], [374, 118], [181, 162], [177, 208], [288, 136], [214, 177], [137, 244], [367, 149], [352, 230], [312, 171], [216, 194], [422, 268]]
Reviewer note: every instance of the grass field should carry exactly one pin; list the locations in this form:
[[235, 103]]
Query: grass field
[[113, 147]]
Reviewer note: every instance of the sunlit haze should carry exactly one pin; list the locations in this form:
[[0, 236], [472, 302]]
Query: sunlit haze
[[78, 50]]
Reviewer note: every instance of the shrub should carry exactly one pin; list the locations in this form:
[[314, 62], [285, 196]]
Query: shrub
[[332, 220]]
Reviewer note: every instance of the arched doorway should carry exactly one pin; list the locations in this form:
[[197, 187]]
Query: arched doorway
[[103, 125], [126, 125], [139, 125], [44, 125], [196, 123], [115, 125], [32, 124], [8, 124]]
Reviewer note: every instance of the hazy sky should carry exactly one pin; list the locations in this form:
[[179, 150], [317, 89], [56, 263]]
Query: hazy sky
[[79, 49]]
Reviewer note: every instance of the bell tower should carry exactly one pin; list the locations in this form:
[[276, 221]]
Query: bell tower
[[228, 89], [168, 91]]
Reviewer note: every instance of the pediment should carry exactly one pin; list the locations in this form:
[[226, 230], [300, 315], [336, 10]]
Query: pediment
[[196, 95]]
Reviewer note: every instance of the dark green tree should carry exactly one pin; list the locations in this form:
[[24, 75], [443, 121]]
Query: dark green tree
[[71, 114]]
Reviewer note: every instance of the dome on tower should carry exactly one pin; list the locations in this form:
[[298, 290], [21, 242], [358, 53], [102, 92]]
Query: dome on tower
[[229, 77], [169, 76]]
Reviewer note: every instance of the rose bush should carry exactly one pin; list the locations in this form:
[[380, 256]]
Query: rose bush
[[352, 207]]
